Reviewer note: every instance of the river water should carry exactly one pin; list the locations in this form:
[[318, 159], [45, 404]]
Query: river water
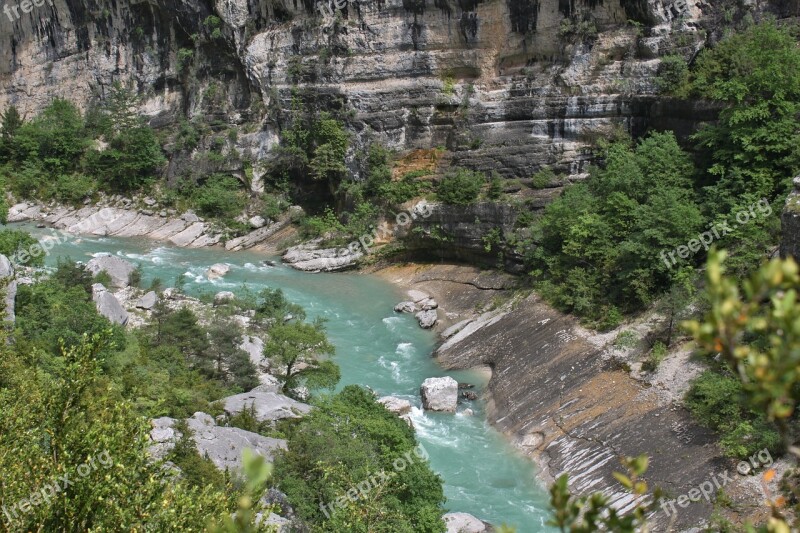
[[376, 347]]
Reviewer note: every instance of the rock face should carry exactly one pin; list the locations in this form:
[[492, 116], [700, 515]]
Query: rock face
[[440, 394], [222, 445], [118, 269], [7, 272], [463, 523], [790, 223], [498, 83], [553, 394], [108, 305], [474, 234], [148, 301], [268, 406]]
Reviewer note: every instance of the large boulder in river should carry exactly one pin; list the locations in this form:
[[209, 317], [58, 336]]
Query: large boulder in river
[[439, 394], [267, 406], [464, 523], [7, 271], [108, 305], [118, 269], [223, 445], [217, 271]]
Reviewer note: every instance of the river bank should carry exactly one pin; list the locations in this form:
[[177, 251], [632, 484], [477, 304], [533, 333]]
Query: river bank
[[565, 399]]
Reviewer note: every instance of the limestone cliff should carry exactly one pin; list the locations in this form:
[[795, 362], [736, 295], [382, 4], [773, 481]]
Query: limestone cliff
[[507, 85]]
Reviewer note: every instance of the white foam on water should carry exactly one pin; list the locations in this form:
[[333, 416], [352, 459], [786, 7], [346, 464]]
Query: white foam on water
[[406, 349], [392, 322]]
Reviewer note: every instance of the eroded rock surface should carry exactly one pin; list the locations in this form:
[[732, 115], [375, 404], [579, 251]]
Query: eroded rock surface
[[267, 406], [222, 445], [553, 393]]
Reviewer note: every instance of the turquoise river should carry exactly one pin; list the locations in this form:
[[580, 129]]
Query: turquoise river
[[376, 347]]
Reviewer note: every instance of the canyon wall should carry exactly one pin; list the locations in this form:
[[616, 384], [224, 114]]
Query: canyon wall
[[505, 85]]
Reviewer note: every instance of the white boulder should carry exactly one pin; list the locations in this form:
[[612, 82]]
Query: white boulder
[[463, 523], [440, 394]]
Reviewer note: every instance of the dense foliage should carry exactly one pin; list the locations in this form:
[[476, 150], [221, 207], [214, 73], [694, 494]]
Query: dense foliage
[[600, 243], [351, 450]]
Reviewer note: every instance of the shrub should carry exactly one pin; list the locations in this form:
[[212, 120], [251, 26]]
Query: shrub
[[13, 241], [74, 188], [718, 402], [461, 187], [657, 354], [673, 75], [345, 440], [544, 178], [495, 187], [320, 225], [220, 196]]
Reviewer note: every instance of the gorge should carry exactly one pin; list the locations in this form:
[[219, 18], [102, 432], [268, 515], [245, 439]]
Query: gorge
[[505, 172]]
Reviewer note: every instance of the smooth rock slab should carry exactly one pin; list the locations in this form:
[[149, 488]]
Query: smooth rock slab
[[108, 305], [269, 406], [463, 523], [118, 269], [439, 394], [223, 445]]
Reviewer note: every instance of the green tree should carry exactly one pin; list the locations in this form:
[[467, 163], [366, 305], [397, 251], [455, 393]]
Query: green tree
[[220, 196], [327, 162], [601, 244], [346, 450], [293, 343], [69, 424], [755, 144], [131, 158], [55, 139], [13, 242]]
